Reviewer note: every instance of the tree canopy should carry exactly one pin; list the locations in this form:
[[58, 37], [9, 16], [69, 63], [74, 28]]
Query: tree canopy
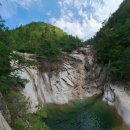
[[112, 43], [43, 39]]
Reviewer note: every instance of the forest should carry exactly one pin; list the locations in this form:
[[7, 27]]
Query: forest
[[43, 39], [112, 44]]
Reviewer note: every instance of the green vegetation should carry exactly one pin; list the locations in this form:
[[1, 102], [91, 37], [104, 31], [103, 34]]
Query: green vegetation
[[6, 55], [21, 120], [112, 43], [10, 84], [43, 39]]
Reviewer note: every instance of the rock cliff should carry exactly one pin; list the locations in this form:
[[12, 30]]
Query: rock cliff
[[3, 124], [71, 77], [118, 95]]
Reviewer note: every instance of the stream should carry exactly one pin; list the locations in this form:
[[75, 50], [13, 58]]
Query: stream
[[90, 114]]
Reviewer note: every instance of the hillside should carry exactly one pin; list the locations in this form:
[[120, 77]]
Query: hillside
[[112, 43], [43, 39]]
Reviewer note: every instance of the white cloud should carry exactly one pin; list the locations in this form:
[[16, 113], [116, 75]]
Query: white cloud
[[83, 18]]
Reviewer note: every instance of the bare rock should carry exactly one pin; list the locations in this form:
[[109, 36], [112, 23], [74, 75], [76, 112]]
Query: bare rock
[[69, 78]]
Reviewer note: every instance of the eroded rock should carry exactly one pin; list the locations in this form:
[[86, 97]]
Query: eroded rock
[[119, 97], [63, 80]]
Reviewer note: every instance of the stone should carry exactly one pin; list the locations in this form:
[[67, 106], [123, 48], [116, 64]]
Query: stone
[[121, 101], [3, 123], [68, 82]]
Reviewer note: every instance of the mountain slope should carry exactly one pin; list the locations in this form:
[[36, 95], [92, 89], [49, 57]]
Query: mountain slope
[[112, 43], [43, 39]]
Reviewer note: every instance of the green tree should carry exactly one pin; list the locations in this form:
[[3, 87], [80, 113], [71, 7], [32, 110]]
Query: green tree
[[112, 43], [48, 46]]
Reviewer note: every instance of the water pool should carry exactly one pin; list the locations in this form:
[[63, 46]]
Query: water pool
[[90, 114]]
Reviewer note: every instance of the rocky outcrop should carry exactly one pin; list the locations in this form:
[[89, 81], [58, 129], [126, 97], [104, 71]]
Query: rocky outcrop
[[119, 96], [109, 95], [71, 77], [3, 124]]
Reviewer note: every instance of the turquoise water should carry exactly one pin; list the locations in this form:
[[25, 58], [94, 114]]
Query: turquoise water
[[83, 115]]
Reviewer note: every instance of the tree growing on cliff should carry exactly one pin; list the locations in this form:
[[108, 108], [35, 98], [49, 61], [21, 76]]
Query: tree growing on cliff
[[48, 44]]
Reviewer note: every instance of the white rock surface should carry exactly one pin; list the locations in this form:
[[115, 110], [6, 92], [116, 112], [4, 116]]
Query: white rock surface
[[3, 124], [109, 95], [121, 101], [75, 77]]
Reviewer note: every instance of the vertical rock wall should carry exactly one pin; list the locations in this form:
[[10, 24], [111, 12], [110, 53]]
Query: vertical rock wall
[[72, 77], [119, 97]]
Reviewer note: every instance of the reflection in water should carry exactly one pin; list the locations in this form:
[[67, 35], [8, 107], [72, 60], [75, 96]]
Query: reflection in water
[[83, 115]]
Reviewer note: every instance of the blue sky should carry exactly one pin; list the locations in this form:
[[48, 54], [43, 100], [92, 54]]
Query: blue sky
[[82, 18]]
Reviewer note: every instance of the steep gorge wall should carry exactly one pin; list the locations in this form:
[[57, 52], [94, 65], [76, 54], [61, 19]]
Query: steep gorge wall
[[74, 76]]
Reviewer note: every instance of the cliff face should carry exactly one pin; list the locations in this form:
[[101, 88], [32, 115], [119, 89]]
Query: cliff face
[[118, 95], [74, 76], [3, 124]]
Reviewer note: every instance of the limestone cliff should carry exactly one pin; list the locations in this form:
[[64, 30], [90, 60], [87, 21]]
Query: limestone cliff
[[73, 76]]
